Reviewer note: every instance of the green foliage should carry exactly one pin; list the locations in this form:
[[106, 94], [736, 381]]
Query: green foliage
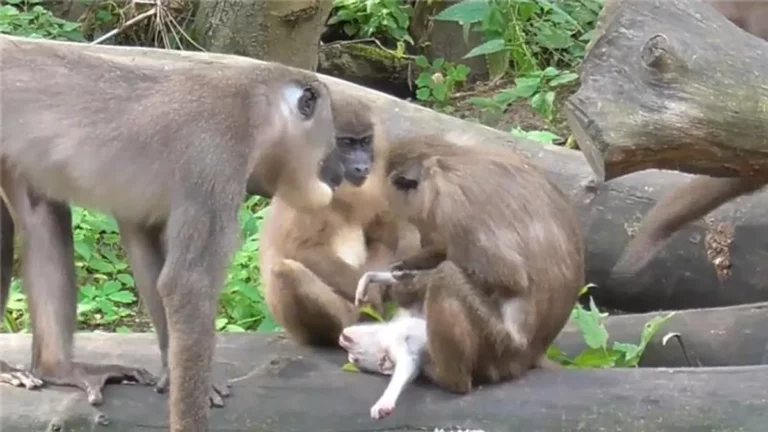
[[538, 86], [438, 81], [598, 354], [529, 33], [28, 18], [108, 297], [373, 18], [544, 137]]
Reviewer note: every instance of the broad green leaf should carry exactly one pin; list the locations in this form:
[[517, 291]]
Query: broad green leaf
[[423, 93], [84, 250], [506, 97], [652, 327], [596, 358], [268, 325], [371, 313], [631, 353], [125, 297], [489, 47], [422, 62], [563, 79], [486, 103], [550, 72], [440, 92], [111, 287], [438, 63], [591, 326], [544, 102], [234, 328], [556, 354], [349, 367], [553, 38], [101, 266], [525, 87], [544, 137], [126, 279], [466, 12]]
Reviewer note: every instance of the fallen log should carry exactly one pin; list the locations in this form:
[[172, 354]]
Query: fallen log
[[727, 336], [281, 387], [680, 277], [672, 85]]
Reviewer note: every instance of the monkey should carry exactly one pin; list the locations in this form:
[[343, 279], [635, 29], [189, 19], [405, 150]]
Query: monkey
[[700, 195], [395, 348], [311, 261], [502, 271], [160, 150]]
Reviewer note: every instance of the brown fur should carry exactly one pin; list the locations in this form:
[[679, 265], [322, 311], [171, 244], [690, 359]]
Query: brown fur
[[508, 258], [702, 194], [311, 260], [161, 151]]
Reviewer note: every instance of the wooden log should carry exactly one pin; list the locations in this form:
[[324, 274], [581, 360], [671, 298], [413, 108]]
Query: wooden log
[[281, 387], [672, 85], [727, 336], [680, 277]]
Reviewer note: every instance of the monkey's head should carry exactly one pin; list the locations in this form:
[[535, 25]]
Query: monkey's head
[[355, 131], [301, 162], [412, 187]]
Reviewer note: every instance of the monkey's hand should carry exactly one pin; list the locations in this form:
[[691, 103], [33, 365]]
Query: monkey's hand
[[381, 277], [18, 377], [216, 394]]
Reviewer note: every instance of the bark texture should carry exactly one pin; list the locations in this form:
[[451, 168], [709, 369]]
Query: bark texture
[[672, 85], [278, 386], [286, 32]]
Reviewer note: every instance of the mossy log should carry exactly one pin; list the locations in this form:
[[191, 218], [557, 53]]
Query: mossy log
[[367, 65], [672, 85], [278, 386]]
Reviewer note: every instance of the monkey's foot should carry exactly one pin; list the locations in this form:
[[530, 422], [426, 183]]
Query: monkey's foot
[[18, 377], [382, 408], [216, 394], [91, 378]]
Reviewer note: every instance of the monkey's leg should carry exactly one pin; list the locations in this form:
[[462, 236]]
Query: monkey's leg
[[405, 352], [309, 310], [143, 246], [49, 279], [202, 235], [459, 324]]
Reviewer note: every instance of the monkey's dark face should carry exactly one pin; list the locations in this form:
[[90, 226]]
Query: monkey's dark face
[[408, 178], [356, 157]]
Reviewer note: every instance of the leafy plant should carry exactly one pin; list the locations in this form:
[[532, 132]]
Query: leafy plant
[[544, 137], [538, 86], [527, 32], [370, 18], [30, 19], [438, 81], [598, 354]]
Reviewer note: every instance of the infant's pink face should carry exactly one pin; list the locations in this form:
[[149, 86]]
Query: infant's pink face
[[363, 343]]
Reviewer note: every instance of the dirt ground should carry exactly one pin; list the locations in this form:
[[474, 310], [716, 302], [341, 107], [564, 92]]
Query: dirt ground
[[519, 114]]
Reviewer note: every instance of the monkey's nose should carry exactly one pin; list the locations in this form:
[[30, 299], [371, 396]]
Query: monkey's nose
[[362, 170]]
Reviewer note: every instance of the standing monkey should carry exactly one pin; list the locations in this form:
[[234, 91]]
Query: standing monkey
[[163, 151], [311, 261], [702, 194], [503, 271]]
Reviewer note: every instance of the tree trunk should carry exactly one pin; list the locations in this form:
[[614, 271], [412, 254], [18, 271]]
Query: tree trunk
[[278, 386], [286, 32], [672, 85], [681, 276]]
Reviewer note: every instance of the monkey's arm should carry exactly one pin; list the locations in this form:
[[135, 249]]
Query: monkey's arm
[[427, 258], [333, 271]]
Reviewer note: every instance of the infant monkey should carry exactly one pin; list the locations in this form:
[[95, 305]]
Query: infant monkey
[[394, 348], [493, 286]]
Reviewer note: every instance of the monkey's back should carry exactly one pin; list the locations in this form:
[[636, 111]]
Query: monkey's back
[[509, 228]]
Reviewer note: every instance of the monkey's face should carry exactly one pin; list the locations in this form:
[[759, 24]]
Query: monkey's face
[[356, 156], [312, 167], [365, 347], [409, 190]]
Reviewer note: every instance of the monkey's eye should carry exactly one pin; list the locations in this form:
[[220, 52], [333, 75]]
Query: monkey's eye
[[366, 141], [405, 183], [345, 142], [307, 102]]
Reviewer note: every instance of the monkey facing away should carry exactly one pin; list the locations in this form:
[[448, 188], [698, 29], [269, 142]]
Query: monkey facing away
[[312, 260], [702, 194], [502, 273], [163, 151]]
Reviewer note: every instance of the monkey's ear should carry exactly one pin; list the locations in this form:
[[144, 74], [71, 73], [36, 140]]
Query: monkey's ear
[[408, 178]]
